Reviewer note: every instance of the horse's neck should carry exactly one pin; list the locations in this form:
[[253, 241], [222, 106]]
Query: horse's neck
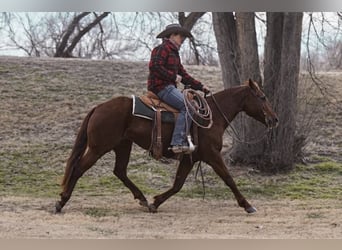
[[230, 102]]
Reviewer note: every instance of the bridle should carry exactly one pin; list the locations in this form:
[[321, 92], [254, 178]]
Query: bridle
[[235, 134]]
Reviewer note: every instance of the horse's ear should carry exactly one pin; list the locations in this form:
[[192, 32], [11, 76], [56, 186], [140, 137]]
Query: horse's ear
[[251, 84]]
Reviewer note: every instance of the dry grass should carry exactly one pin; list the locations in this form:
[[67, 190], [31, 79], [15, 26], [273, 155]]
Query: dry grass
[[43, 102]]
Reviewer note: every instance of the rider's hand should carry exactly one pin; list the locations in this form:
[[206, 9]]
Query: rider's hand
[[178, 79], [205, 89]]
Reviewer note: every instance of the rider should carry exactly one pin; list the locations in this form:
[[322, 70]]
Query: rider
[[165, 73]]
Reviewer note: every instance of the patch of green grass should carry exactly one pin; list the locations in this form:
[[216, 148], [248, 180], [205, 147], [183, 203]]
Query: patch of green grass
[[315, 215], [197, 191], [328, 167], [103, 231], [316, 181], [100, 212], [36, 171], [100, 186], [32, 182], [33, 171], [319, 158]]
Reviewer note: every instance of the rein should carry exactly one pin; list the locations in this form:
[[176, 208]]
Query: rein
[[235, 134]]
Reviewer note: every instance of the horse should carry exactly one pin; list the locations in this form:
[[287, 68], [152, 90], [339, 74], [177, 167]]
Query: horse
[[111, 126]]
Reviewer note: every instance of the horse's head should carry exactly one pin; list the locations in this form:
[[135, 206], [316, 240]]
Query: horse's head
[[258, 107]]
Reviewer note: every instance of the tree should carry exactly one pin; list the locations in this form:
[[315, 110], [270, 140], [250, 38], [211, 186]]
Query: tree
[[282, 59], [249, 130], [103, 35], [61, 34], [237, 50], [74, 32]]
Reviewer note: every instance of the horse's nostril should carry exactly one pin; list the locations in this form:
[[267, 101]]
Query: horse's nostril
[[276, 120]]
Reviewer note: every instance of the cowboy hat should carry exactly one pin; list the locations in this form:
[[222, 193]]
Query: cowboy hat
[[174, 28]]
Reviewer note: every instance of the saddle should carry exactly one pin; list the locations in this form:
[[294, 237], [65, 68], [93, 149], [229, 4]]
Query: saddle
[[151, 100], [149, 106]]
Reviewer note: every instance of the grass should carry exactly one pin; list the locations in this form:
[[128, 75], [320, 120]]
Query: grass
[[98, 212], [43, 101], [316, 181], [24, 172]]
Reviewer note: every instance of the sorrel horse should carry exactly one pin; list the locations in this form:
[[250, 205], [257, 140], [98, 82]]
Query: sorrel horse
[[111, 126]]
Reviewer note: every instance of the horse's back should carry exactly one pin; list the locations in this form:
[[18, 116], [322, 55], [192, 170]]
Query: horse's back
[[117, 108], [110, 119]]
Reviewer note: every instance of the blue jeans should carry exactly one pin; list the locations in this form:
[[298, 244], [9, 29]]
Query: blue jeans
[[174, 97]]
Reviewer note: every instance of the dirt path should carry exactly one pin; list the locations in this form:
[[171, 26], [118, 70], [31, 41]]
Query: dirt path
[[113, 218]]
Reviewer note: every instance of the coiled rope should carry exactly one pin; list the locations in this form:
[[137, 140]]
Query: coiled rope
[[197, 108]]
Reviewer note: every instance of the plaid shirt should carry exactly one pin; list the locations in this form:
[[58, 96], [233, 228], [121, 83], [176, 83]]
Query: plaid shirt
[[164, 66]]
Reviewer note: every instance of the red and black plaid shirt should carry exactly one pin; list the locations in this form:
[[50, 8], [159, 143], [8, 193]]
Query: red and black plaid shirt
[[164, 66]]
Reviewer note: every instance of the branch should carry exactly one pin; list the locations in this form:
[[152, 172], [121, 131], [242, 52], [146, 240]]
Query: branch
[[188, 23], [311, 69], [78, 37], [61, 47]]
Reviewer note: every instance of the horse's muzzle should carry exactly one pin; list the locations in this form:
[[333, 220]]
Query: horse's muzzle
[[272, 122]]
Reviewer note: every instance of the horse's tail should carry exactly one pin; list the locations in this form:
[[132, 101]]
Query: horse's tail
[[78, 149]]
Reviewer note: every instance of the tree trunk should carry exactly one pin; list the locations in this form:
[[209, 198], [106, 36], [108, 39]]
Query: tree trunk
[[282, 58], [248, 45], [227, 46], [237, 48], [248, 129]]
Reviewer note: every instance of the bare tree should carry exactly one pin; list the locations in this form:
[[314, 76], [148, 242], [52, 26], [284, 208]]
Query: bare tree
[[75, 32], [31, 32], [52, 34], [328, 36], [282, 56], [129, 35]]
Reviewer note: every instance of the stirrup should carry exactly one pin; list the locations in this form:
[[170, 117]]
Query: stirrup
[[180, 149], [192, 147]]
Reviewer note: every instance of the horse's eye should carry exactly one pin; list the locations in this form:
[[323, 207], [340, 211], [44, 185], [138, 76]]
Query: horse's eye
[[263, 97]]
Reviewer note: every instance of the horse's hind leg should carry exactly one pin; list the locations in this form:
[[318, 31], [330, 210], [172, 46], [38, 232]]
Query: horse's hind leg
[[184, 168], [123, 151], [86, 162]]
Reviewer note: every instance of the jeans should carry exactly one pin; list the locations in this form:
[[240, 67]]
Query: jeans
[[174, 97]]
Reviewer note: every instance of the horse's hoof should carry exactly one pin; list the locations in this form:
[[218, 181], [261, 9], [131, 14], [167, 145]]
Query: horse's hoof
[[58, 207], [144, 204], [250, 210], [152, 208]]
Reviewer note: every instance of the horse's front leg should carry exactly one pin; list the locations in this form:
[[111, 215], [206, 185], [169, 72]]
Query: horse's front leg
[[184, 168], [220, 168]]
